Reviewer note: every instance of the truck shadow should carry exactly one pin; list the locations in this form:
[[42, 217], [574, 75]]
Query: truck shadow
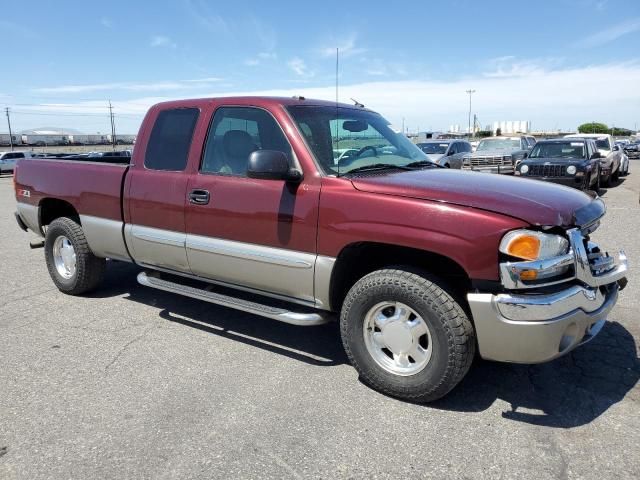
[[568, 392], [319, 345]]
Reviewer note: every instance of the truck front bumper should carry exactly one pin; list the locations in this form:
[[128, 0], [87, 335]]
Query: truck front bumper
[[529, 328], [502, 169]]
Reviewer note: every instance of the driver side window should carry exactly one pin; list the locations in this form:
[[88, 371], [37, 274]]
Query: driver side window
[[235, 133]]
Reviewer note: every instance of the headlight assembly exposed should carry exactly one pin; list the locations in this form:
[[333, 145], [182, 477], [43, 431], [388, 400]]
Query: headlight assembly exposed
[[532, 245]]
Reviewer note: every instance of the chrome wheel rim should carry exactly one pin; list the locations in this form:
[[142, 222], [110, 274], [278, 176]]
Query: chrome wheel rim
[[397, 338], [64, 257]]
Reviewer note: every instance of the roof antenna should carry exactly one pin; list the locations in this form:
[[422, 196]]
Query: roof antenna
[[357, 103]]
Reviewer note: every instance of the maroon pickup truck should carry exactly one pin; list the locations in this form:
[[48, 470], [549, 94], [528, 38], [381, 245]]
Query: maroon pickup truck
[[305, 209]]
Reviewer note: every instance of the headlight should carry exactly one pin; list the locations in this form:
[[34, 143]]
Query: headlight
[[524, 168], [571, 170], [530, 245]]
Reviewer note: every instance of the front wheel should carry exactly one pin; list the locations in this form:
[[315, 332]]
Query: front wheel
[[406, 335], [72, 265]]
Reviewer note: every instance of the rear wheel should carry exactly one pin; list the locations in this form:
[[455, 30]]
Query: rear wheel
[[72, 265], [406, 335]]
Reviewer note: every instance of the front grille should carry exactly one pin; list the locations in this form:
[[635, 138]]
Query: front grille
[[547, 170], [489, 161]]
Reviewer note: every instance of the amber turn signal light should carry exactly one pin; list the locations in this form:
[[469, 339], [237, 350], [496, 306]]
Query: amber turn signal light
[[524, 246]]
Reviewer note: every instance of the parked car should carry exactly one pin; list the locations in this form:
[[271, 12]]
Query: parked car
[[611, 156], [8, 160], [632, 150], [572, 162], [498, 154], [447, 153], [420, 263]]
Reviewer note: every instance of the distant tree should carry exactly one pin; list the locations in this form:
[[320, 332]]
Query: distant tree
[[498, 132], [621, 132], [594, 127], [484, 133]]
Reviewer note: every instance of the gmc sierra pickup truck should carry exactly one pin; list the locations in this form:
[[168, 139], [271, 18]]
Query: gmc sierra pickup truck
[[303, 211]]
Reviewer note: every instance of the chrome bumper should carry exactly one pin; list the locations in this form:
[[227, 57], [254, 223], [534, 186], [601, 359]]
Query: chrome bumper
[[538, 328], [506, 169]]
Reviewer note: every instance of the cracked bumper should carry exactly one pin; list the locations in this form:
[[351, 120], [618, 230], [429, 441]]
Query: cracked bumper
[[539, 328]]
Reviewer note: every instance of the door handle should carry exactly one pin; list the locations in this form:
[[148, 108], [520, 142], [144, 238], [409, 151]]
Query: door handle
[[199, 197]]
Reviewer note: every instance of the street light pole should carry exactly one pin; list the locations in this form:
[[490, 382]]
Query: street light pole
[[470, 92]]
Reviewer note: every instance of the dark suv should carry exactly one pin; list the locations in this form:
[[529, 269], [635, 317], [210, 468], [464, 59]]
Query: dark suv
[[572, 162]]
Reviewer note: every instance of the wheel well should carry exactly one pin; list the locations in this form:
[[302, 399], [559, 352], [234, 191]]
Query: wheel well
[[357, 260], [52, 208]]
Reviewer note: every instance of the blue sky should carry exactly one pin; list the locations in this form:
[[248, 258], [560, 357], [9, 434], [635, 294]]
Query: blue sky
[[556, 63]]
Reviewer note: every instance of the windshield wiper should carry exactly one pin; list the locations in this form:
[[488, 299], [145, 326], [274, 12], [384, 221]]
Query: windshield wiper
[[378, 166], [424, 163]]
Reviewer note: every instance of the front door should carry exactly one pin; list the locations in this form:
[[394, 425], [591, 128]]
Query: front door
[[259, 234]]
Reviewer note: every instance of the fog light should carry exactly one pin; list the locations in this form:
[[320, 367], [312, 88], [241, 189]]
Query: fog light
[[528, 275], [524, 169], [571, 169]]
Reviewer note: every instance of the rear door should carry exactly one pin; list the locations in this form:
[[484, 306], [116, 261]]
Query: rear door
[[157, 190], [254, 233]]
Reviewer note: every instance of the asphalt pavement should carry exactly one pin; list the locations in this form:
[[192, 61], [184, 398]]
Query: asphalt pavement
[[131, 382]]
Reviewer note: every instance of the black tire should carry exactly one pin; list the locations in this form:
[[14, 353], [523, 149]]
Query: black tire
[[89, 269], [452, 334], [608, 182], [616, 175], [597, 189]]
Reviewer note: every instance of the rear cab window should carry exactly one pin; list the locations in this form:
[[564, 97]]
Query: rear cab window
[[170, 140]]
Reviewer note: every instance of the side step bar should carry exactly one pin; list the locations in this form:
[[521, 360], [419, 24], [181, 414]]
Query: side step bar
[[280, 314]]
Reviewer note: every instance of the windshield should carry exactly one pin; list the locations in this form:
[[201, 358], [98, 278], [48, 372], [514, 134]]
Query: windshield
[[499, 144], [431, 148], [559, 150], [345, 139]]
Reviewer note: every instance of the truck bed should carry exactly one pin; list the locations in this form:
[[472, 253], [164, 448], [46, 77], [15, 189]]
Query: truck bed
[[91, 185]]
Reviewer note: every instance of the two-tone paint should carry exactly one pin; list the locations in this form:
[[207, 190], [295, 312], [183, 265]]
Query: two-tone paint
[[280, 238]]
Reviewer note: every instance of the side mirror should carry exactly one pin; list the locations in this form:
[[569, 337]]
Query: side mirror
[[526, 154], [616, 148], [271, 165]]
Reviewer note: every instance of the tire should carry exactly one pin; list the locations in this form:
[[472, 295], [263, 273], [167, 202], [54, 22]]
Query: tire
[[88, 270], [449, 338], [597, 189], [608, 182]]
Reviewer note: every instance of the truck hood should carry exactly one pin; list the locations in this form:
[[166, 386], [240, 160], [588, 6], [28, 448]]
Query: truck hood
[[535, 202]]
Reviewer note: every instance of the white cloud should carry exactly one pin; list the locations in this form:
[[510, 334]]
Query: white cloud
[[554, 98], [510, 66], [106, 22], [206, 17], [346, 46], [260, 58], [161, 41], [610, 34], [299, 67], [130, 87]]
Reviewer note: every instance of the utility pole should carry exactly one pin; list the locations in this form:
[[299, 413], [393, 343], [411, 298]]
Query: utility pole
[[113, 127], [6, 109], [470, 92]]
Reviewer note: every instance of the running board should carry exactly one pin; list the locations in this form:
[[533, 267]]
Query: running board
[[280, 314]]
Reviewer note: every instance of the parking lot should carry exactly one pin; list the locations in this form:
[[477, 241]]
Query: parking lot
[[131, 382]]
